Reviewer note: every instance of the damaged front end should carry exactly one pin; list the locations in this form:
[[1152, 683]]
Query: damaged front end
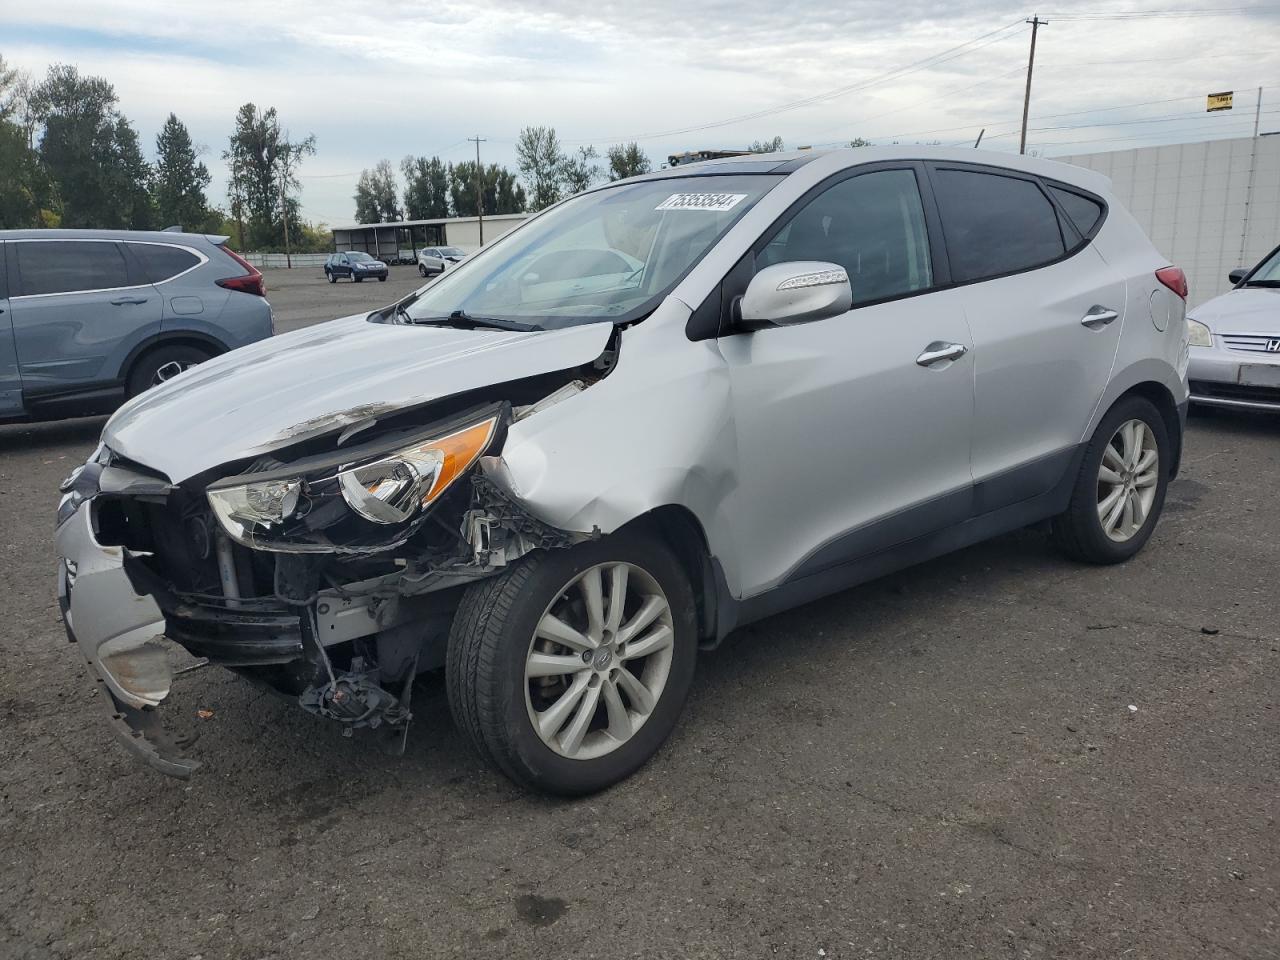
[[327, 571]]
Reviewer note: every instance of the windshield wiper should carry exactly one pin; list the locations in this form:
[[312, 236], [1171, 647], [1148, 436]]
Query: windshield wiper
[[460, 318]]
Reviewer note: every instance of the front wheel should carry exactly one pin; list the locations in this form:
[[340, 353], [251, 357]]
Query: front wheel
[[383, 278], [1121, 488], [330, 277], [569, 670], [356, 278], [422, 270]]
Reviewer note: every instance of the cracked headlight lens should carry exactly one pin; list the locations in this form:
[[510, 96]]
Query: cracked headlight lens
[[393, 489], [270, 501], [1198, 334]]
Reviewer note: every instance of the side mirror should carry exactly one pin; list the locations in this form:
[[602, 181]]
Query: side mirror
[[1236, 275], [797, 292]]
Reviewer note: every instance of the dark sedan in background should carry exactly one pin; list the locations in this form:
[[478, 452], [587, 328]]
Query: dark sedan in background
[[354, 264]]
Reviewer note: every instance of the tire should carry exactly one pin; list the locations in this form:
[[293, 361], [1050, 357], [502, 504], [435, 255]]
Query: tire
[[383, 278], [355, 278], [150, 368], [1080, 531], [422, 270], [496, 635], [330, 277]]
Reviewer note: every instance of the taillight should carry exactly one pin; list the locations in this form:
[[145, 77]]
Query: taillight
[[253, 282], [1174, 279]]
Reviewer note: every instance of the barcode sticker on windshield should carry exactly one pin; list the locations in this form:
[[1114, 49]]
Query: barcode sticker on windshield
[[701, 201]]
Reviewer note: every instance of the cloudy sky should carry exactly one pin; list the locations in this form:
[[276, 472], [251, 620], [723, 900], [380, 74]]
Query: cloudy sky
[[386, 79]]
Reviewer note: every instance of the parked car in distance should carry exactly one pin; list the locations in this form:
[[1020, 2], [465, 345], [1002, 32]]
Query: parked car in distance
[[781, 376], [89, 318], [433, 261], [354, 264], [1235, 341]]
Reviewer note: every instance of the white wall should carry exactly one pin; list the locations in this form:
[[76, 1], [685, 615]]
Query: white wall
[[1196, 203], [466, 233]]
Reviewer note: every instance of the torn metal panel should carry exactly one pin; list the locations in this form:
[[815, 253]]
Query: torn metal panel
[[322, 379]]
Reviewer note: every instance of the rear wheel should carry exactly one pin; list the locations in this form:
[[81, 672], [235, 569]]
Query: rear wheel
[[568, 671], [1121, 488], [161, 364], [330, 277]]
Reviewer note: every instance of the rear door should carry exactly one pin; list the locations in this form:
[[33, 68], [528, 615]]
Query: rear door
[[1046, 312], [10, 381], [79, 307]]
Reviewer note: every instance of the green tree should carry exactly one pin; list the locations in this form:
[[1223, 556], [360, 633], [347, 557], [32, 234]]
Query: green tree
[[502, 193], [767, 146], [627, 160], [180, 179], [426, 188], [579, 171], [860, 142], [23, 186], [90, 153], [541, 163], [375, 195], [263, 162]]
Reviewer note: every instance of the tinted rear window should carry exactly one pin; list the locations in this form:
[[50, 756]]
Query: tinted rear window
[[995, 225], [63, 266], [160, 262], [1084, 213]]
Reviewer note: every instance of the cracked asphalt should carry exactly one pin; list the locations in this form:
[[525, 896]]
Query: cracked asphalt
[[996, 754]]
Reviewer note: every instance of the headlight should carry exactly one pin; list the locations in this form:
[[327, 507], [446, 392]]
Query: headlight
[[328, 505], [393, 489], [1198, 335]]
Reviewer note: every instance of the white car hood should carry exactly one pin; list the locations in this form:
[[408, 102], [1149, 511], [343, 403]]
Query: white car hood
[[317, 380], [1246, 310]]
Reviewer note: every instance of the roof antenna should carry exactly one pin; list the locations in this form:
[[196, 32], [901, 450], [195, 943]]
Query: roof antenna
[[979, 140]]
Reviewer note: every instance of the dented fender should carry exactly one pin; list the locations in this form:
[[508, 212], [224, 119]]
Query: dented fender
[[648, 447]]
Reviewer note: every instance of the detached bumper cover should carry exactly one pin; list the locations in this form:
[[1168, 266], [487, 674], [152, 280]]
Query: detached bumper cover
[[121, 636]]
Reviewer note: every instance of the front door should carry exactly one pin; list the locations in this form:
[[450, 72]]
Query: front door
[[76, 306], [853, 432]]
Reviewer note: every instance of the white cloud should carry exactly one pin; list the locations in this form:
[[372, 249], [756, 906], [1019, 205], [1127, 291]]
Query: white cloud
[[403, 79]]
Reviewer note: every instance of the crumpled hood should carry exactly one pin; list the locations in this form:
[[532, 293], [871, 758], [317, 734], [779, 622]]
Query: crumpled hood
[[313, 381], [1245, 310]]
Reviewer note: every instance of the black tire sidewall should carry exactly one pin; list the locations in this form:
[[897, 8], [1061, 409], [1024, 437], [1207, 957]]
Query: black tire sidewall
[[1085, 512], [145, 367], [535, 763]]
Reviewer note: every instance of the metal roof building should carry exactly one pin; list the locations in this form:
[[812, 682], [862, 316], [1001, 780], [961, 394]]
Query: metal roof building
[[402, 240]]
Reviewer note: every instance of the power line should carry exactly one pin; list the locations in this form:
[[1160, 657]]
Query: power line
[[963, 49]]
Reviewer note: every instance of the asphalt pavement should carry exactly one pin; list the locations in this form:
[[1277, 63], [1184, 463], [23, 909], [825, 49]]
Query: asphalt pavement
[[996, 754]]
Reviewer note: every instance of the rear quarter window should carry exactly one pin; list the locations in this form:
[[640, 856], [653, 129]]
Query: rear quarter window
[[995, 225], [1082, 211], [160, 262]]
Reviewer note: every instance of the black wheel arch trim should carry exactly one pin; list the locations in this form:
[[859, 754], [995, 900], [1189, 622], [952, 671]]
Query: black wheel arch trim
[[170, 338]]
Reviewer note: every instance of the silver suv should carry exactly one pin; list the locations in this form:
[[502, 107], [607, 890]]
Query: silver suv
[[89, 318], [765, 379]]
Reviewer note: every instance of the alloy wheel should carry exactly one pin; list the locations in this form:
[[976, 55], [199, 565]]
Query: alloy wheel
[[167, 371], [1128, 478], [599, 660]]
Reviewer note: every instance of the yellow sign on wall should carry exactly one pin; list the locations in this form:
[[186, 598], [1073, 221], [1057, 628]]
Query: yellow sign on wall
[[1219, 101]]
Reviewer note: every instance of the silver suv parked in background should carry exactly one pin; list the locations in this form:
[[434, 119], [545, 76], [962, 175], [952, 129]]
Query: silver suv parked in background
[[89, 318], [767, 379]]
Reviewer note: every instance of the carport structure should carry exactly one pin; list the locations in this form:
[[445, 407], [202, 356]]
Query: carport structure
[[402, 240]]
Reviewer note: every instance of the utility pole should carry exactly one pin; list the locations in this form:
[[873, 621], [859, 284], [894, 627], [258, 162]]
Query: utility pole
[[1253, 168], [284, 210], [477, 140], [1035, 22]]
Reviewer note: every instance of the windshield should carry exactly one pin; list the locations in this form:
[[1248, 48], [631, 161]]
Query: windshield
[[1267, 274], [358, 257], [451, 252], [611, 255]]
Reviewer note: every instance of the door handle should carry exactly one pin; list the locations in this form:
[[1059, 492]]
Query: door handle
[[939, 350], [128, 300], [1098, 317]]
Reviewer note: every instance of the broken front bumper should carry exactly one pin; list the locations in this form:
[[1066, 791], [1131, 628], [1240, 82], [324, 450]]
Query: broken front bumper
[[120, 633]]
